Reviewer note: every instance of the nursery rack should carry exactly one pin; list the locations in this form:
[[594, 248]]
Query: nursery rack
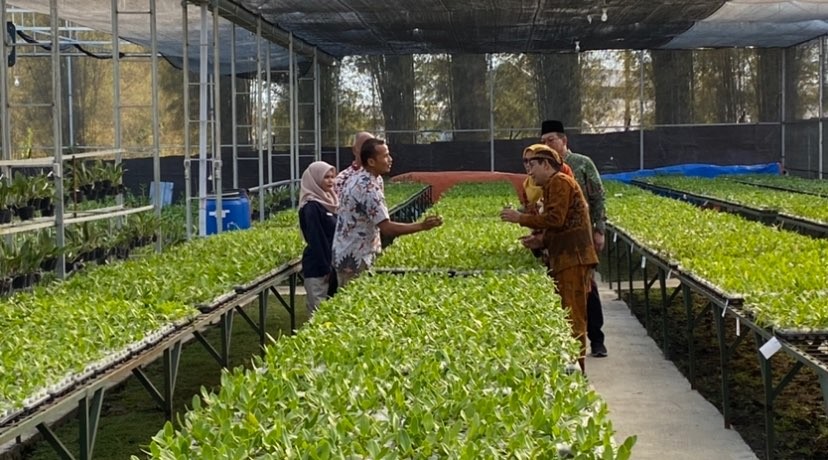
[[804, 349], [87, 395]]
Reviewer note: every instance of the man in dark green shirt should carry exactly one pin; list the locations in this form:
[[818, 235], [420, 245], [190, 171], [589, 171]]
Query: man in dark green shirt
[[588, 178]]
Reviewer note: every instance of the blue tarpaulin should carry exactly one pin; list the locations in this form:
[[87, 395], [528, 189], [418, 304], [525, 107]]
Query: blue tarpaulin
[[697, 170]]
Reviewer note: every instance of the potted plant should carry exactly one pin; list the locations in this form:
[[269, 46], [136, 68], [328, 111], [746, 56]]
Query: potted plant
[[5, 279], [147, 225], [22, 190], [121, 242], [5, 203], [48, 250], [113, 178], [79, 181], [31, 257]]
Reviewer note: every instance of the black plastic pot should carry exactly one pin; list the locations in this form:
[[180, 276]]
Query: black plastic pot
[[49, 264], [25, 212], [5, 286], [20, 281], [5, 215], [122, 252]]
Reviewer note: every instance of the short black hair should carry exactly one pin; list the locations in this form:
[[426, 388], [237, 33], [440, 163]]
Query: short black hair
[[369, 149]]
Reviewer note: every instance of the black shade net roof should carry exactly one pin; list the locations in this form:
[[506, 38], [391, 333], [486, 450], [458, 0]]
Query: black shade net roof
[[339, 28], [356, 27]]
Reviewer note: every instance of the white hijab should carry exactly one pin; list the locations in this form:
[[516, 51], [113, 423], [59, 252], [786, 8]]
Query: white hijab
[[311, 190]]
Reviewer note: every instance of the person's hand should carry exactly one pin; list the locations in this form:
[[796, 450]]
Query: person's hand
[[533, 241], [598, 241], [509, 215], [431, 222]]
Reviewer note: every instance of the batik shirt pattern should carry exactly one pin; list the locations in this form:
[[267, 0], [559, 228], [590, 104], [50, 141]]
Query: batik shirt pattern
[[362, 207]]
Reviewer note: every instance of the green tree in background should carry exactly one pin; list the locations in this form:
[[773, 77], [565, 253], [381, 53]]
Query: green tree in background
[[802, 81], [394, 77], [515, 97], [672, 74], [432, 95], [768, 83], [469, 96], [558, 83]]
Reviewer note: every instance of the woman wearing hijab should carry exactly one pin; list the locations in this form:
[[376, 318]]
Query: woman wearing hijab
[[317, 221]]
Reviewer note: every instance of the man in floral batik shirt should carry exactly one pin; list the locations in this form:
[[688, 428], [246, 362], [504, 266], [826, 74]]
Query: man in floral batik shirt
[[363, 215]]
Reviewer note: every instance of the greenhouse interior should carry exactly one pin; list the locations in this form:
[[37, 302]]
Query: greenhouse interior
[[156, 299]]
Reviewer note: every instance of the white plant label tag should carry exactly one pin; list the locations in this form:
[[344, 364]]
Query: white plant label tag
[[738, 327], [643, 262], [614, 237], [770, 348]]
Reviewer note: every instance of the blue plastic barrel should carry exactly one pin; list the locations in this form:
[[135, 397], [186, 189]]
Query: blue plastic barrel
[[235, 212]]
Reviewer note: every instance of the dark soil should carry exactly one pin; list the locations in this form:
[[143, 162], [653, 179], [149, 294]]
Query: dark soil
[[800, 420]]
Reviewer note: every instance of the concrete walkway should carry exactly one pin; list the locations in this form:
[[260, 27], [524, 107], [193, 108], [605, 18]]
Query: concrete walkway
[[648, 397]]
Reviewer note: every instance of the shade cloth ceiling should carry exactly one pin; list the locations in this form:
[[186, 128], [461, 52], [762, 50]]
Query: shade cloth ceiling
[[361, 27]]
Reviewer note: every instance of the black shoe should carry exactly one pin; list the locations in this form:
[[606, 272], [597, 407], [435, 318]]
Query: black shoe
[[599, 351]]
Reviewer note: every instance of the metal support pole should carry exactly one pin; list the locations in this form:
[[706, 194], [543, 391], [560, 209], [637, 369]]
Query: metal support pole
[[646, 279], [821, 107], [226, 335], [172, 357], [57, 133], [294, 278], [294, 119], [782, 106], [724, 358], [336, 116], [204, 46], [630, 271], [268, 112], [69, 102], [5, 115], [89, 414], [665, 310], [767, 383], [492, 75], [223, 356], [156, 124], [59, 448], [260, 111], [263, 320], [691, 344], [641, 110], [233, 108], [618, 246], [216, 112], [185, 67], [317, 109], [291, 302], [116, 91]]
